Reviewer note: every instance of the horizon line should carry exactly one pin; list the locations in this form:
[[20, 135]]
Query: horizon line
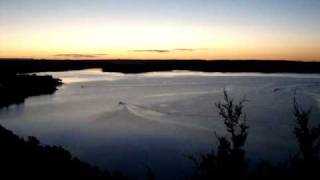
[[148, 59]]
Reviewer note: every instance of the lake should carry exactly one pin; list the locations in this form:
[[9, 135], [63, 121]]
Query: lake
[[126, 122]]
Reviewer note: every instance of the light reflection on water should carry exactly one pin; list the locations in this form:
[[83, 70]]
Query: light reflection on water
[[85, 76], [98, 75], [124, 122]]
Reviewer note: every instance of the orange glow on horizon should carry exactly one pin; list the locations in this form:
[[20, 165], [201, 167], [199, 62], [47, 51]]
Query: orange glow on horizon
[[144, 29], [117, 41]]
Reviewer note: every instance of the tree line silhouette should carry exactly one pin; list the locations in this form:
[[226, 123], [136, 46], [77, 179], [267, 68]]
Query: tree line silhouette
[[141, 66], [15, 88]]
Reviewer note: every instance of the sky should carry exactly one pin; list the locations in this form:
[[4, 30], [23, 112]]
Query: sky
[[160, 29]]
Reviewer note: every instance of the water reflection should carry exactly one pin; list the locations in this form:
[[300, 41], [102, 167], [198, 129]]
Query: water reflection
[[124, 122]]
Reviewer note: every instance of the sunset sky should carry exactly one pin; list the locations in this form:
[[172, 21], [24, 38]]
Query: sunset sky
[[160, 29]]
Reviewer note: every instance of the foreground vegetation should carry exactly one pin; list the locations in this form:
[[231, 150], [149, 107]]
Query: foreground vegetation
[[229, 160]]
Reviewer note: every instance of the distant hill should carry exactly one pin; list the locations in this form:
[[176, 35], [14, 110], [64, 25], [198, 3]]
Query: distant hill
[[140, 66]]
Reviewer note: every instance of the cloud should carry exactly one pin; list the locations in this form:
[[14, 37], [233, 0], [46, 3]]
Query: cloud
[[189, 49], [151, 50], [183, 49], [167, 50], [80, 55]]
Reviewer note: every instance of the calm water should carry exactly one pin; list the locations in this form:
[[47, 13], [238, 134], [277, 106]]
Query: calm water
[[125, 122]]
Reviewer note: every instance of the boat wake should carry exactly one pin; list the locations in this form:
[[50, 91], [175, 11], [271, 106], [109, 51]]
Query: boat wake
[[159, 117]]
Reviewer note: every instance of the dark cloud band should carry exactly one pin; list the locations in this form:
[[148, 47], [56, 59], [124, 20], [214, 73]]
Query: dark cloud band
[[165, 50], [151, 50], [80, 55]]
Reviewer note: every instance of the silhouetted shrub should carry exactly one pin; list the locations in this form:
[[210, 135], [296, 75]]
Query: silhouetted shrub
[[150, 175], [229, 161], [308, 137], [306, 164]]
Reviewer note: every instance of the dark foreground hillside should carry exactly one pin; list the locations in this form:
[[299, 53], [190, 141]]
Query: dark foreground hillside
[[28, 159]]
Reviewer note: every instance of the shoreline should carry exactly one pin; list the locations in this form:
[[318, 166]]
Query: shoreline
[[14, 89], [28, 158]]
